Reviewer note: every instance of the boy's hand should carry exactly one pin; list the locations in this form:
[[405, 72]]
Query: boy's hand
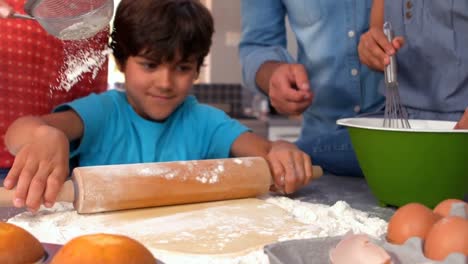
[[40, 169], [291, 168], [375, 50]]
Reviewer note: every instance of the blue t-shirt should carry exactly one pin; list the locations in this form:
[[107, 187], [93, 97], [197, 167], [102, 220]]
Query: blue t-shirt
[[115, 134]]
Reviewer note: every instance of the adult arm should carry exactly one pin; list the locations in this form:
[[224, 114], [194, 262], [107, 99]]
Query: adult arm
[[5, 9], [266, 64]]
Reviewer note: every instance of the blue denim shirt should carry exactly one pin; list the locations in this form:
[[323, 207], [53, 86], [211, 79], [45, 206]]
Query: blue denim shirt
[[327, 34], [433, 64]]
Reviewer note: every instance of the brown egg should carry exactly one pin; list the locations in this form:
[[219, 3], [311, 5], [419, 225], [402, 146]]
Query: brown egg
[[448, 235], [409, 221], [444, 207]]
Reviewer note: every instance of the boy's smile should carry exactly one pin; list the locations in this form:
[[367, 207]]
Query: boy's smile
[[156, 90]]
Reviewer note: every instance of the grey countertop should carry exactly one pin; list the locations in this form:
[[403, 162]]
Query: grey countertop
[[327, 190]]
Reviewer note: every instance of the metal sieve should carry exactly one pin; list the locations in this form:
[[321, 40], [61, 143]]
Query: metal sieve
[[70, 19]]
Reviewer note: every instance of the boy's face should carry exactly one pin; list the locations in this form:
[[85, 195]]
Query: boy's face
[[156, 90]]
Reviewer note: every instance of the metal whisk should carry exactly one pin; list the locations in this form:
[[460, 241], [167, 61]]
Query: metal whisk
[[395, 114]]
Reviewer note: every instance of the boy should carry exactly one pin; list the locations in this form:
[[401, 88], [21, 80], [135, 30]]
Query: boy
[[160, 47], [431, 58]]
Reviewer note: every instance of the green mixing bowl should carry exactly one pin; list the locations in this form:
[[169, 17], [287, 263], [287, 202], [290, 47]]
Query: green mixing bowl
[[426, 164]]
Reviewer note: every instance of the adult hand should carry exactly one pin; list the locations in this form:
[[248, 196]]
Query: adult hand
[[375, 50], [5, 9], [289, 89], [40, 169], [463, 123]]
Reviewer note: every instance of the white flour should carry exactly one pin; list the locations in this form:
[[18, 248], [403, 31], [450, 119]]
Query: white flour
[[208, 175], [61, 223], [87, 60]]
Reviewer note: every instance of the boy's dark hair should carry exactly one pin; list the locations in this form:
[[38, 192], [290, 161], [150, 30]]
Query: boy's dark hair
[[162, 30]]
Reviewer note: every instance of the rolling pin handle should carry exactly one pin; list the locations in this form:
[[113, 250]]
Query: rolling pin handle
[[67, 194]]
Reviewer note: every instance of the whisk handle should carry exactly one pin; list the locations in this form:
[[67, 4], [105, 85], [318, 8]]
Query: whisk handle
[[390, 70]]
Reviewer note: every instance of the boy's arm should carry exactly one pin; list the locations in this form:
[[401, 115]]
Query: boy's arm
[[250, 144], [41, 146], [21, 131], [291, 168]]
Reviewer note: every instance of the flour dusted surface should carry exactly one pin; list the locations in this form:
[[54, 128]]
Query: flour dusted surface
[[208, 232]]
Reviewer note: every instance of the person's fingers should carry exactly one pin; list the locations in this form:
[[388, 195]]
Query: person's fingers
[[37, 188], [377, 52], [382, 42], [282, 103], [362, 53], [53, 187], [289, 175], [398, 42], [24, 182], [292, 108], [12, 178], [300, 77], [285, 89], [285, 95], [368, 59], [277, 171], [378, 64], [299, 169], [308, 169], [370, 53]]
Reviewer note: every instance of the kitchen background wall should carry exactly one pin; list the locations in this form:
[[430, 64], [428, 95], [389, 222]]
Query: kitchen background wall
[[223, 64]]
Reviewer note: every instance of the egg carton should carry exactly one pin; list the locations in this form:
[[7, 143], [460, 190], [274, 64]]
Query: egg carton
[[412, 250], [316, 250]]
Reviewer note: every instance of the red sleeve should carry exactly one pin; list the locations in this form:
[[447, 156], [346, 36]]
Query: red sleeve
[[34, 66]]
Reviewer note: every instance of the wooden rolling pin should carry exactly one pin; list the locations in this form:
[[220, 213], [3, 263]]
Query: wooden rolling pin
[[116, 187]]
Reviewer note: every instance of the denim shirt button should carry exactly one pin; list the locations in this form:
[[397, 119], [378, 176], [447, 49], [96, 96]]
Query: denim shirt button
[[351, 33], [409, 15], [354, 72], [409, 4], [357, 109]]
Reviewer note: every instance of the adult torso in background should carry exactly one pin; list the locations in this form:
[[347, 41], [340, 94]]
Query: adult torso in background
[[433, 64], [327, 34], [32, 65]]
